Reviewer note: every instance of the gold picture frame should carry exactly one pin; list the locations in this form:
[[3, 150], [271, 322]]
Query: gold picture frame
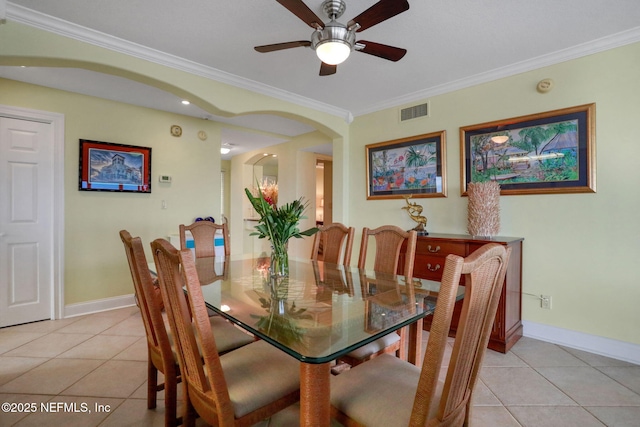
[[414, 166], [545, 153]]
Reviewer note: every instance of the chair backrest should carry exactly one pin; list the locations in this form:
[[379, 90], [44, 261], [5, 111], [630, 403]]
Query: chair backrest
[[203, 233], [332, 237], [188, 316], [389, 240], [149, 300], [484, 272]]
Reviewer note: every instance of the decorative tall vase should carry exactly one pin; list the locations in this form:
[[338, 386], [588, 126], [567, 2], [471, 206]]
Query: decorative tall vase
[[484, 208]]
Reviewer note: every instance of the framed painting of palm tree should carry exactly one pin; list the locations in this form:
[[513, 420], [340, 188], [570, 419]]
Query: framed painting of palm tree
[[413, 166], [551, 152]]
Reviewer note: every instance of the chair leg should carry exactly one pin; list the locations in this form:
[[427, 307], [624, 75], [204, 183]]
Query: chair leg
[[189, 415], [467, 416], [152, 384], [170, 401]]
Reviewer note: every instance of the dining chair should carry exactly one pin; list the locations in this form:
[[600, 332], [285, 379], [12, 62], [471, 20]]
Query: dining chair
[[389, 391], [204, 233], [240, 388], [389, 240], [161, 356], [160, 353], [329, 243]]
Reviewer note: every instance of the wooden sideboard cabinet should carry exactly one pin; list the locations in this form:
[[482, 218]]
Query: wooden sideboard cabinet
[[431, 252]]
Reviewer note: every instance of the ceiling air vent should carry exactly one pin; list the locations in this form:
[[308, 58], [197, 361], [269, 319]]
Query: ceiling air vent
[[414, 112]]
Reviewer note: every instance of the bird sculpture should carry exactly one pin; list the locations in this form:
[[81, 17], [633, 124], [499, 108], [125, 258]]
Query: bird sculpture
[[415, 213]]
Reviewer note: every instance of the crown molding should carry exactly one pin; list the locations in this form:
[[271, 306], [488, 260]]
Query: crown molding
[[64, 28], [599, 45]]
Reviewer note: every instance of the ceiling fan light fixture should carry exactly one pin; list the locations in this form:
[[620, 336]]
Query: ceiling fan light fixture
[[333, 43], [333, 52]]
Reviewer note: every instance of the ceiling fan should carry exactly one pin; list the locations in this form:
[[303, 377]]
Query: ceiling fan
[[334, 41]]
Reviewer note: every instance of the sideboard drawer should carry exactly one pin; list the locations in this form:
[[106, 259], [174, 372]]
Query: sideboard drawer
[[428, 266], [440, 247]]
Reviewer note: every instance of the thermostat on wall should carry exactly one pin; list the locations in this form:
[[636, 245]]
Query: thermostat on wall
[[165, 178]]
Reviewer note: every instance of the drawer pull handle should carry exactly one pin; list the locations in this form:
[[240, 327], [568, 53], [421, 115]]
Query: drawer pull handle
[[433, 251], [436, 268]]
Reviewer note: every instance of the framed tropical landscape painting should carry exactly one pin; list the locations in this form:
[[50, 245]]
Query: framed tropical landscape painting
[[551, 152], [409, 166]]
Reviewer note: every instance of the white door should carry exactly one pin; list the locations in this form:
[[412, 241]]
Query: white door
[[26, 221]]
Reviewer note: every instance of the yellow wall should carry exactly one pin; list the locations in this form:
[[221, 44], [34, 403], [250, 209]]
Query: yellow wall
[[581, 249], [95, 266]]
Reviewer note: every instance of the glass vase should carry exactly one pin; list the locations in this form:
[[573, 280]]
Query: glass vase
[[279, 294], [279, 261]]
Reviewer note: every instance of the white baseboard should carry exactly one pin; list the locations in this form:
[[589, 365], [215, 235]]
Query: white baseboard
[[99, 305], [579, 340]]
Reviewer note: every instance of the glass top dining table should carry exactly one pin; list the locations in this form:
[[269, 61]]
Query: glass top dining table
[[318, 313]]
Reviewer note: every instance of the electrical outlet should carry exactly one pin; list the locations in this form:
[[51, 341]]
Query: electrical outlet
[[545, 302]]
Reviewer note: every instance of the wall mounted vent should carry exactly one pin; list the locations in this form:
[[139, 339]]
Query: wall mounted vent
[[414, 112]]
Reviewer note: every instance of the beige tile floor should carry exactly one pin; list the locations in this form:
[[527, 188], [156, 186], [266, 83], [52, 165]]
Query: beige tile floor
[[98, 362]]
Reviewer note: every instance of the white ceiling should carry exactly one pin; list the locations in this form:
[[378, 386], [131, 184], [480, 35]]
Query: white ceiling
[[451, 44]]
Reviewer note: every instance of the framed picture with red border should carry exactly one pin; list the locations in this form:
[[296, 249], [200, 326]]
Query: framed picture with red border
[[105, 166]]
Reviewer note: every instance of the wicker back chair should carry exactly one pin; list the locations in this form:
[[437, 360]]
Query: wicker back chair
[[240, 388], [389, 240], [160, 353], [330, 240], [388, 391], [204, 233]]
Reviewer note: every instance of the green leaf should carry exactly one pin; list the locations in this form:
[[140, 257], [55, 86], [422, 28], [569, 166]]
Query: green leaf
[[310, 232], [279, 224]]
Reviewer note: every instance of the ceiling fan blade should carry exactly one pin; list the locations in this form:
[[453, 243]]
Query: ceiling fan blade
[[280, 46], [379, 12], [381, 50], [327, 70], [302, 11]]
